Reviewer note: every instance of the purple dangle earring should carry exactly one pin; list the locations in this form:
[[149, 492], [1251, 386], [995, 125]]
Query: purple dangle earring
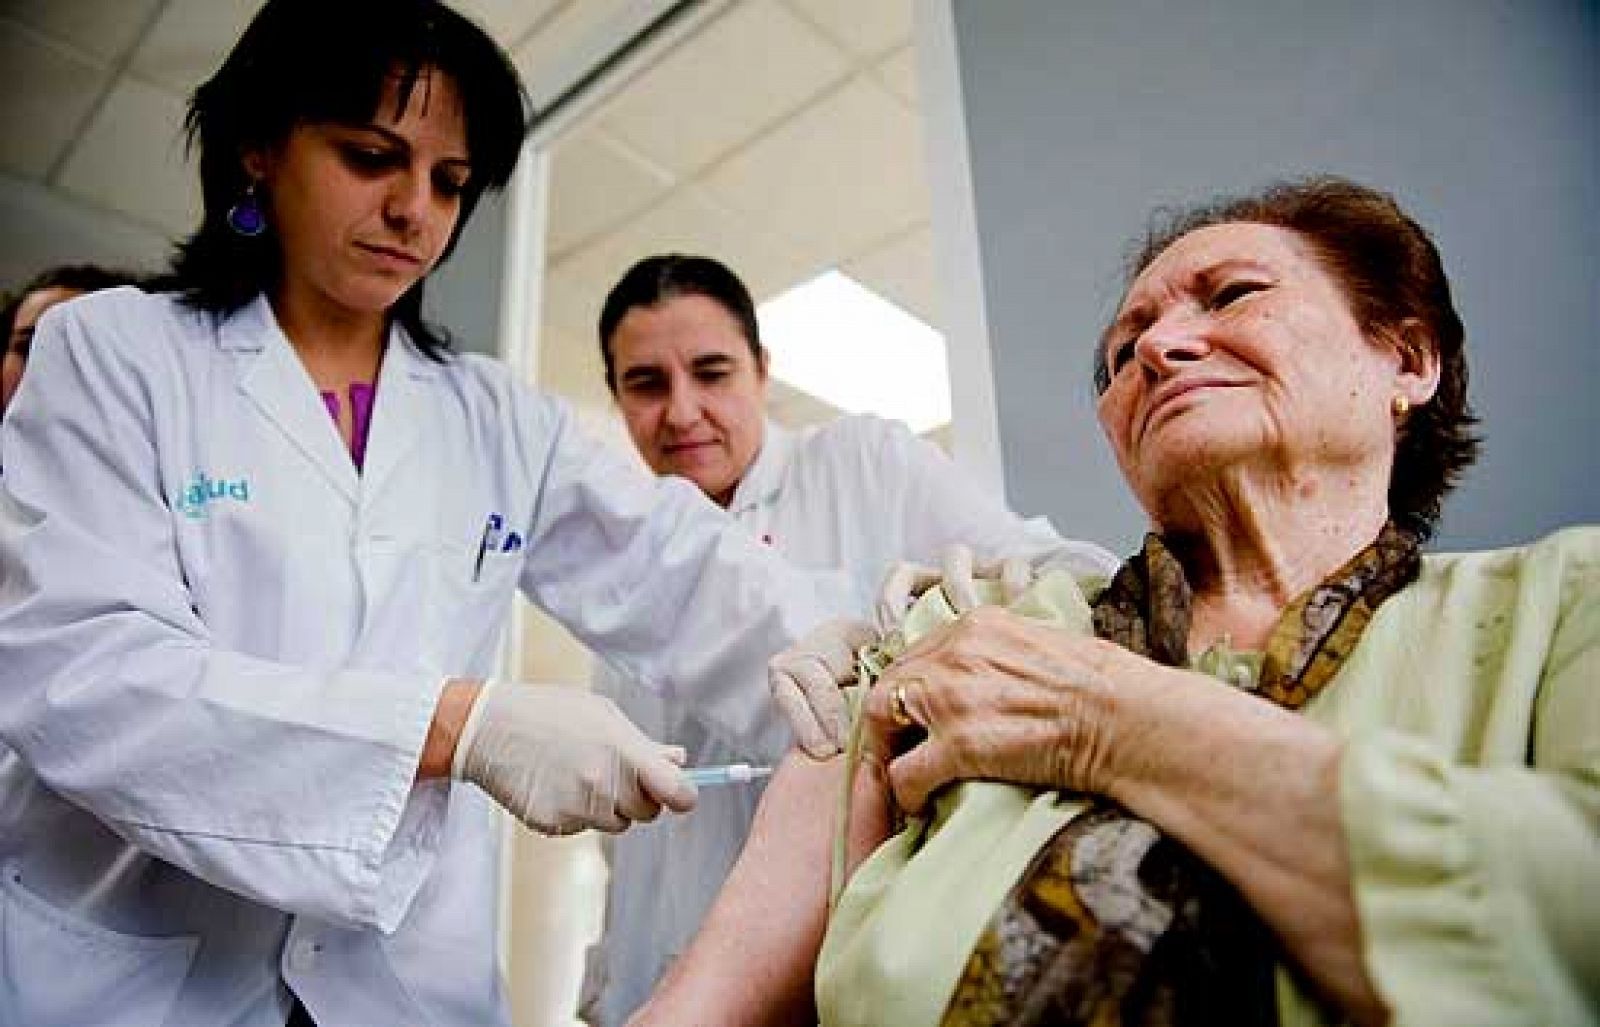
[[245, 217]]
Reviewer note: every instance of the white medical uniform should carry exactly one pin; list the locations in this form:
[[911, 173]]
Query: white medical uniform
[[851, 498], [221, 647]]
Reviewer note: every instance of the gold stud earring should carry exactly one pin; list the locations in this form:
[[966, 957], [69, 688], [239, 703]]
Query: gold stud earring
[[1401, 406]]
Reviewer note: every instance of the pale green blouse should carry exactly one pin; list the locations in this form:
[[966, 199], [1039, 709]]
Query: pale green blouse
[[1470, 787]]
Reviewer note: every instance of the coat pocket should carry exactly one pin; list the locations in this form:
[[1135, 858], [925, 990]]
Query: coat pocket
[[58, 968], [470, 598]]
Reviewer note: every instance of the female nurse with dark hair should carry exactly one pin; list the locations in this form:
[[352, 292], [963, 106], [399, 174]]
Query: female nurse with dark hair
[[259, 535], [852, 498]]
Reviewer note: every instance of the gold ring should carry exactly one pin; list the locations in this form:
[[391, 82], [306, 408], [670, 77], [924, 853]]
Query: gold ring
[[897, 707]]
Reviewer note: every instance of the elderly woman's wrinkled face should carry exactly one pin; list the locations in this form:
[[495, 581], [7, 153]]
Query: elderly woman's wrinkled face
[[1235, 351]]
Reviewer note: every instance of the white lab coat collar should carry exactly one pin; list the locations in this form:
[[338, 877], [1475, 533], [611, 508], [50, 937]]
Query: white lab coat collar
[[765, 476], [277, 382]]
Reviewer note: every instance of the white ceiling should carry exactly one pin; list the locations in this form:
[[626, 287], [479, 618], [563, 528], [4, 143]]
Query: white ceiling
[[782, 137]]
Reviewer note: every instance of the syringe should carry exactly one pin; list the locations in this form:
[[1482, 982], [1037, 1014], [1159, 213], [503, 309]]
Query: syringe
[[727, 774]]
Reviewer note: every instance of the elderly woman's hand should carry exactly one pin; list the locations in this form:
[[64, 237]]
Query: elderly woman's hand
[[999, 696]]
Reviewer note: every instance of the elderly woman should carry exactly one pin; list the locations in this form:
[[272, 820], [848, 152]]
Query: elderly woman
[[1319, 776]]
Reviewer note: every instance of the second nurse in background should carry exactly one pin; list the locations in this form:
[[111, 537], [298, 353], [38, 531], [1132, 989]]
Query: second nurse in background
[[856, 496]]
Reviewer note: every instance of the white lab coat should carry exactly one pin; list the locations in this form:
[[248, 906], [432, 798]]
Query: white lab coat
[[847, 500], [220, 649]]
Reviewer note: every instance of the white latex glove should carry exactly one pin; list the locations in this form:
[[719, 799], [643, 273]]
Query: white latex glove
[[805, 680], [958, 573], [563, 759]]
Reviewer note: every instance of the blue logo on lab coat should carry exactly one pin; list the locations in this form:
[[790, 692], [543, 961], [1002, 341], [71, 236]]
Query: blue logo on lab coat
[[197, 496]]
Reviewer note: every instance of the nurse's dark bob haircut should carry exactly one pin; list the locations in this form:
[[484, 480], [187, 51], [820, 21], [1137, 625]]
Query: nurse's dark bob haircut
[[328, 61], [666, 276]]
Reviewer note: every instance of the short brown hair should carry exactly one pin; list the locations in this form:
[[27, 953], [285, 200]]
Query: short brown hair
[[76, 277], [1390, 272]]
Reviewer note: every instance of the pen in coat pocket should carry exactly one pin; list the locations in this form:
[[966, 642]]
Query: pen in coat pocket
[[489, 538]]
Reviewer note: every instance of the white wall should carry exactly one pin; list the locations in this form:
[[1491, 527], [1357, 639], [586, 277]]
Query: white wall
[[1482, 117]]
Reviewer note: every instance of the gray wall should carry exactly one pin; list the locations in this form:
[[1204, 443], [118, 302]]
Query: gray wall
[[1483, 118], [463, 295], [40, 228]]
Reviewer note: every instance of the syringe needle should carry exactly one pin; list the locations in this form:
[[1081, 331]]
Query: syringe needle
[[726, 774]]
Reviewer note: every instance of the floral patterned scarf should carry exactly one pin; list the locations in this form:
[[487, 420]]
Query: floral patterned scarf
[[1113, 922]]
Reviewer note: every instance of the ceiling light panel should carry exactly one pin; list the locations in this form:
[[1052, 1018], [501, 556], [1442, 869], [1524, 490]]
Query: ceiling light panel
[[53, 90], [597, 183], [101, 29], [738, 75], [839, 178], [866, 27], [138, 128], [903, 271], [546, 54], [688, 222], [844, 343], [898, 71], [190, 41], [506, 20]]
